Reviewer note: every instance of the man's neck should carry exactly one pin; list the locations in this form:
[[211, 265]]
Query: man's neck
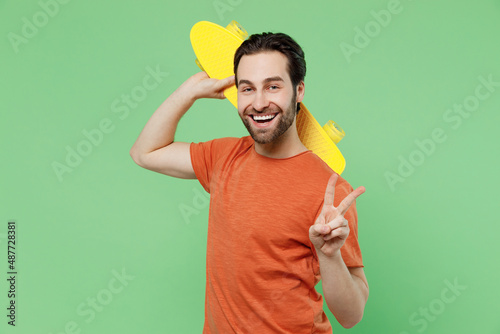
[[286, 146]]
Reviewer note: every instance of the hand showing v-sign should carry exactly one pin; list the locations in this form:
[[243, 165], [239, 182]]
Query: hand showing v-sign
[[330, 231]]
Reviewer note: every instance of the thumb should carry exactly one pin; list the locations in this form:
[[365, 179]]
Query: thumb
[[318, 230]]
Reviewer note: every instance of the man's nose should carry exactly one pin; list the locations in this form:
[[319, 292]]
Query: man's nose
[[260, 101]]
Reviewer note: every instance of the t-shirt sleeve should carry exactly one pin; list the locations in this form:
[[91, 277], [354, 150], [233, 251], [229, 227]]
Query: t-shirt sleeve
[[350, 251], [206, 155]]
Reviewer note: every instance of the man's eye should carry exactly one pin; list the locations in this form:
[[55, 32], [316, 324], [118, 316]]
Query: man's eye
[[247, 89], [273, 87]]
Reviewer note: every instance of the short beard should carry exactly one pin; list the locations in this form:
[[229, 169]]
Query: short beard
[[286, 120]]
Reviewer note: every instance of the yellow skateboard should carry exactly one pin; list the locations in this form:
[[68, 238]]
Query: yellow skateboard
[[215, 47]]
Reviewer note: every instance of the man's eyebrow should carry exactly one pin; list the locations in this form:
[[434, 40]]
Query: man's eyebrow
[[266, 80]]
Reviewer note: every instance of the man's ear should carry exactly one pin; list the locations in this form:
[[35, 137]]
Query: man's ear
[[299, 93], [300, 90]]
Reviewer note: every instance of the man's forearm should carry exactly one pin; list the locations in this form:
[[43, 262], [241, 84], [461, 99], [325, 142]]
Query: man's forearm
[[159, 131], [345, 294]]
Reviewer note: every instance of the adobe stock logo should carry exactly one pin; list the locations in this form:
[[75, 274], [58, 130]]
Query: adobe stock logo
[[97, 303], [430, 312], [122, 106], [31, 27], [201, 201], [381, 19], [222, 6], [455, 117]]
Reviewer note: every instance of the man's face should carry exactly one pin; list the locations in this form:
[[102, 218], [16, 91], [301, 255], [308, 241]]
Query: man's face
[[267, 101]]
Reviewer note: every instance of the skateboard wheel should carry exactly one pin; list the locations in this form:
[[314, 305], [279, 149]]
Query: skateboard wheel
[[199, 64], [334, 131], [237, 29]]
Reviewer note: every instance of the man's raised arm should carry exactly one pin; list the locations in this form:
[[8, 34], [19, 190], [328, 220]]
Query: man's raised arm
[[155, 148]]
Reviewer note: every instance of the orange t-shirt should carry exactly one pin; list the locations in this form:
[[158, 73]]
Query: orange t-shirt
[[261, 266]]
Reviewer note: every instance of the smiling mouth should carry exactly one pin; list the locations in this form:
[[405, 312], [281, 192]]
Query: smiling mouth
[[263, 118]]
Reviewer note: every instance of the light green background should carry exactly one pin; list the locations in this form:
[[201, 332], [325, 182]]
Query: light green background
[[438, 225]]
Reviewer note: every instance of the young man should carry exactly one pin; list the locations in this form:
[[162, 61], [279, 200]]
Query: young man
[[273, 230]]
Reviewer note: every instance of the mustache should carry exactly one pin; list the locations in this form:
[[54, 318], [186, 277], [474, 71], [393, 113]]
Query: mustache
[[263, 111]]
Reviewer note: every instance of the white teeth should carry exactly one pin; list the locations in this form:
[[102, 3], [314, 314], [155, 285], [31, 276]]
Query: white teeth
[[263, 118]]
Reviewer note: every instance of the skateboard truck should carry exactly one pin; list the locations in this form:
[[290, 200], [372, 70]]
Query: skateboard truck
[[334, 131], [237, 29]]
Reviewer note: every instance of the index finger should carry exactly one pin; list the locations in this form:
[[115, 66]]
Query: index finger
[[330, 190], [349, 199], [226, 82]]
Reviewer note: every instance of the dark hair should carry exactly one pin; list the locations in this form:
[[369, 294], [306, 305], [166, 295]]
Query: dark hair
[[280, 42]]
